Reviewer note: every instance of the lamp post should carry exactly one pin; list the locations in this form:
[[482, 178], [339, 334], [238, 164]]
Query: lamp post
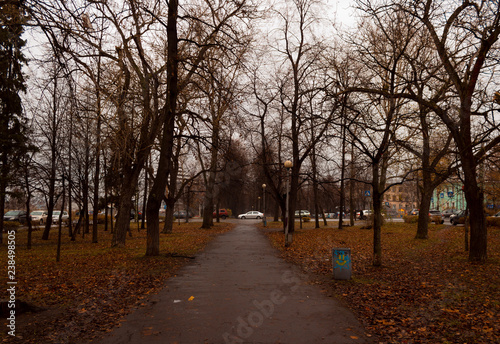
[[258, 203], [264, 204], [288, 165]]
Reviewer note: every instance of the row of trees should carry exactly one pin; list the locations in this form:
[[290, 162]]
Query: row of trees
[[149, 95]]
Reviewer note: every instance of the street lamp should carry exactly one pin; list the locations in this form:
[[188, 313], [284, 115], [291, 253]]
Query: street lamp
[[264, 204], [288, 165]]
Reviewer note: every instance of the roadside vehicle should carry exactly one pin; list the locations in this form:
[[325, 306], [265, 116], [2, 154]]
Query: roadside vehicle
[[414, 212], [15, 215], [39, 216], [337, 214], [449, 212], [132, 215], [55, 217], [436, 216], [181, 214], [223, 214], [458, 218], [366, 214], [251, 215], [302, 213]]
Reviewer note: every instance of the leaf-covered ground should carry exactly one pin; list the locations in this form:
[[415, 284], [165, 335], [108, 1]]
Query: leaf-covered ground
[[94, 286], [425, 292]]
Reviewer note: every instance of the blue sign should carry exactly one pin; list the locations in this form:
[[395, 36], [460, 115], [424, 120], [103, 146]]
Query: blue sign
[[450, 194], [490, 206], [367, 193], [441, 194], [387, 204]]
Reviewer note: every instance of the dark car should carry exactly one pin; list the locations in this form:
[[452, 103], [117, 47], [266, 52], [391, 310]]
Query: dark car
[[458, 218], [15, 215], [132, 215], [181, 214]]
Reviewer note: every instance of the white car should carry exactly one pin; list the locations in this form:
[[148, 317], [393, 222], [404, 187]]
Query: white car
[[302, 213], [55, 216], [251, 215], [39, 216]]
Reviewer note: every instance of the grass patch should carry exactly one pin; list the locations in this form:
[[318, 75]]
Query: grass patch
[[94, 285]]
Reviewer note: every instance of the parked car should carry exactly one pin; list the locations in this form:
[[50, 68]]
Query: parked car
[[414, 212], [223, 214], [449, 212], [436, 216], [458, 218], [365, 215], [181, 214], [55, 217], [337, 214], [39, 216], [251, 215], [132, 215], [302, 213], [15, 215]]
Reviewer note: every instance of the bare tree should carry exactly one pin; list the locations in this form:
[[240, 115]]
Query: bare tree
[[466, 44], [381, 45], [300, 52], [221, 26]]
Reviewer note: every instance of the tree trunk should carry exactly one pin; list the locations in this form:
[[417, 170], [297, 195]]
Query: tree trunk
[[210, 193], [145, 197], [157, 192], [475, 202], [169, 219], [159, 184], [3, 191], [50, 206], [53, 160], [342, 176], [277, 211], [208, 208], [124, 207], [28, 202], [423, 215], [377, 214], [294, 185], [377, 227], [352, 206]]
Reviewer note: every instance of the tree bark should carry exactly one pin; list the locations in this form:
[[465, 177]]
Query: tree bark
[[53, 167], [160, 182], [377, 217], [475, 202], [423, 214]]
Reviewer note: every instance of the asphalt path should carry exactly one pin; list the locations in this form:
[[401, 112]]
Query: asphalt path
[[239, 291]]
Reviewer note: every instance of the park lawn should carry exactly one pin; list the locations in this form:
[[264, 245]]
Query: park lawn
[[425, 292], [94, 286]]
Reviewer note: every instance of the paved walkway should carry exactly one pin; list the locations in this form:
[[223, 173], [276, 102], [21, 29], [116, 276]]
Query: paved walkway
[[239, 291]]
